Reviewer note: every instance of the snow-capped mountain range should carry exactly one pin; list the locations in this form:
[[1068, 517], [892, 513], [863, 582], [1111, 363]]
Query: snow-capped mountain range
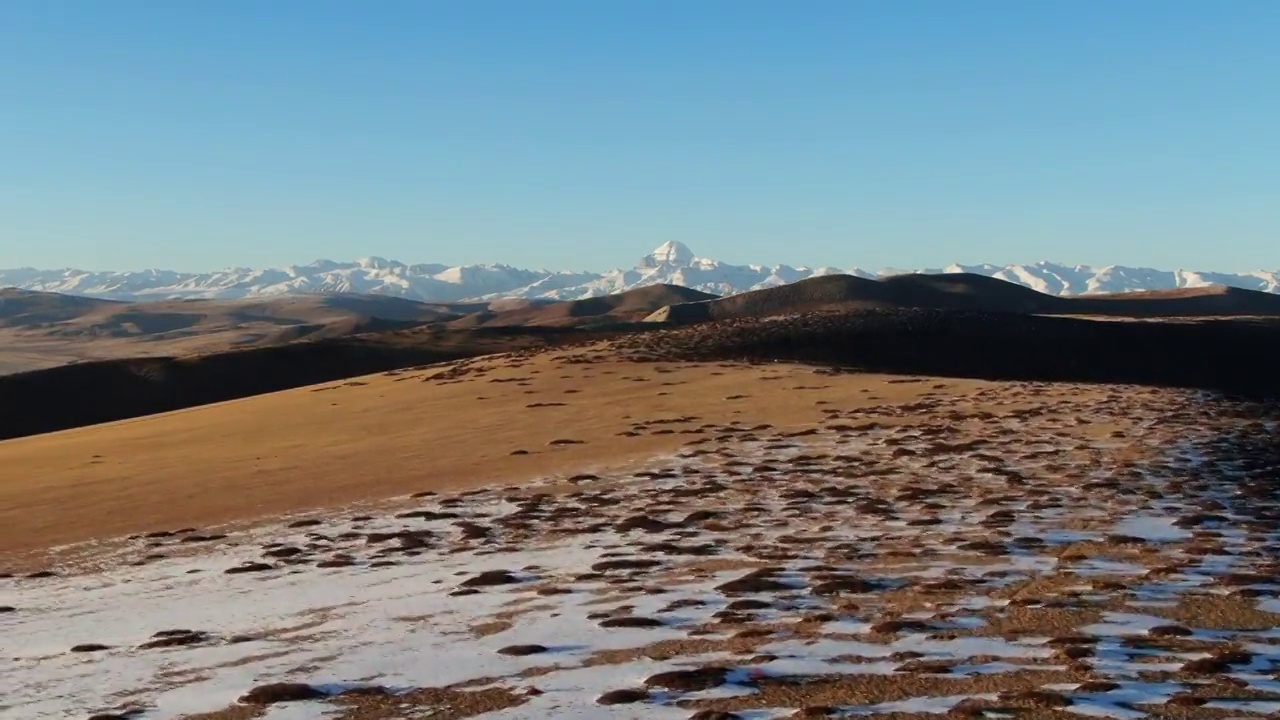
[[672, 263]]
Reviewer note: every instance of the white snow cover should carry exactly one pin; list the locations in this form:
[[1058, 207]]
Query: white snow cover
[[404, 625], [671, 263]]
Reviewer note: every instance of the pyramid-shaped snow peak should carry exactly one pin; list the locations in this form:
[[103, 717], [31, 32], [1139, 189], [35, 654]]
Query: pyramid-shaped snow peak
[[668, 253]]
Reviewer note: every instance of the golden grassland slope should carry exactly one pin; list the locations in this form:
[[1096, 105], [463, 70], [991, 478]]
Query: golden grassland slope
[[1034, 550], [1226, 355], [391, 434], [96, 392]]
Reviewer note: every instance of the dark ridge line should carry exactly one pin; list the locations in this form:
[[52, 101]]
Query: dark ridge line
[[1236, 357], [1228, 356]]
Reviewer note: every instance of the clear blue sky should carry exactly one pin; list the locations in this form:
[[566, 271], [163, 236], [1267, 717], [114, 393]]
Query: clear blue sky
[[199, 135]]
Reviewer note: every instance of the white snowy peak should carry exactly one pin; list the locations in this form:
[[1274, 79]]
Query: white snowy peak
[[668, 253], [671, 263]]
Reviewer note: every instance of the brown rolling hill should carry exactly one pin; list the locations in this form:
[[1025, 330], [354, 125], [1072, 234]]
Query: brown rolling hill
[[72, 316], [967, 292], [44, 330], [625, 307], [952, 325], [41, 330], [24, 308]]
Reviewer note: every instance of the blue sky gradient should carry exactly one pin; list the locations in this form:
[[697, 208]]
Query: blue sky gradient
[[581, 134]]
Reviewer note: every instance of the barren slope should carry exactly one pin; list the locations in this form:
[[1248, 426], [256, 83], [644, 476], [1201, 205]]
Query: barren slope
[[75, 396], [803, 545], [379, 436]]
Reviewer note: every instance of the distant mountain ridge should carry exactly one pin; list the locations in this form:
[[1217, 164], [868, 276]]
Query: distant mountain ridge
[[672, 263]]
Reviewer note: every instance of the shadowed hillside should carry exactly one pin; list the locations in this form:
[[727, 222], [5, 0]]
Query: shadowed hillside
[[965, 291], [1236, 356], [96, 392]]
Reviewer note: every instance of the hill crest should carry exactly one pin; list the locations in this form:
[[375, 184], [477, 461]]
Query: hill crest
[[967, 292]]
